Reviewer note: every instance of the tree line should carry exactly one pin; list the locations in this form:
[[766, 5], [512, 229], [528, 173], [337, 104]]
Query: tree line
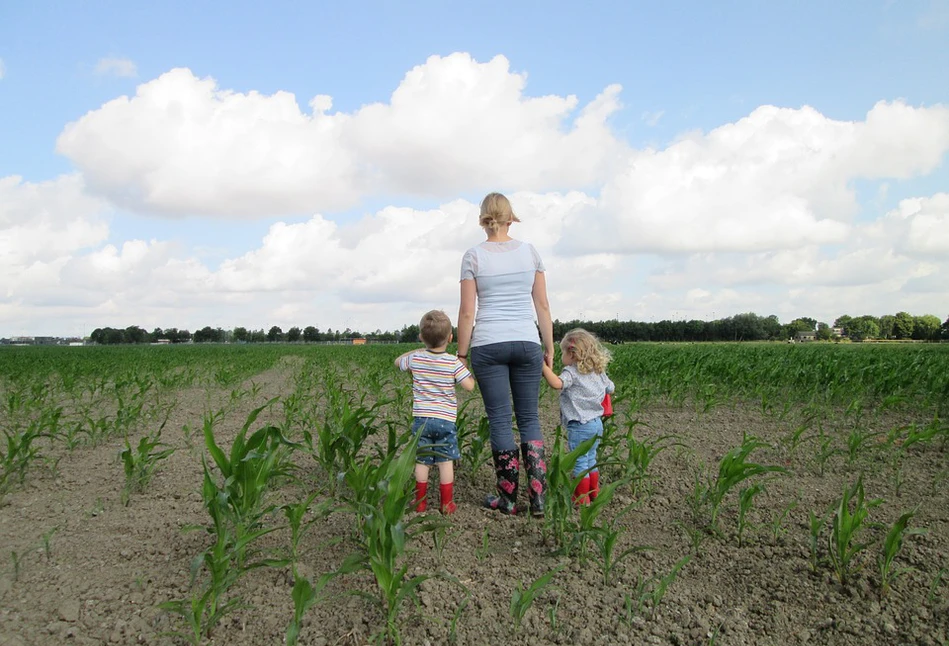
[[741, 327]]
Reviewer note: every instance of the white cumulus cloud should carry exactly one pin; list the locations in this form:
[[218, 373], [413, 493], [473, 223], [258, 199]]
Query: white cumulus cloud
[[778, 179], [182, 145]]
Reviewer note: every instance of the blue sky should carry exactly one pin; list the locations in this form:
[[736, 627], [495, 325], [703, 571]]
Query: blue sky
[[778, 158]]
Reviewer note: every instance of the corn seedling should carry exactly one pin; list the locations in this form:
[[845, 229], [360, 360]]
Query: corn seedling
[[651, 592], [485, 548], [606, 539], [474, 444], [380, 497], [522, 598], [935, 585], [825, 451], [48, 542], [845, 526], [140, 463], [17, 560], [734, 469], [247, 472], [891, 547], [745, 503], [857, 440], [778, 523], [295, 514], [816, 524], [558, 519], [305, 594]]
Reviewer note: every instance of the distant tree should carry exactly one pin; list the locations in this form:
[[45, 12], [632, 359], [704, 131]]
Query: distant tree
[[275, 334], [311, 334], [926, 328], [945, 329], [154, 335], [293, 334], [887, 326], [863, 327], [258, 336], [903, 325], [207, 334], [824, 333], [135, 334], [842, 321], [409, 334], [241, 334]]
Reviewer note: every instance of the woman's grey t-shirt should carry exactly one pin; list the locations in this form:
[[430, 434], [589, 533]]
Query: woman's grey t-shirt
[[581, 397], [504, 276]]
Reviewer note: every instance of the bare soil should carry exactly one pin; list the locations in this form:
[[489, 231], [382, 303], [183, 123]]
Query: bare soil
[[79, 567]]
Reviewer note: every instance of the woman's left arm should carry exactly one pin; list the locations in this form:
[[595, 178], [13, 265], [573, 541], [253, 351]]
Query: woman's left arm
[[544, 322], [466, 315]]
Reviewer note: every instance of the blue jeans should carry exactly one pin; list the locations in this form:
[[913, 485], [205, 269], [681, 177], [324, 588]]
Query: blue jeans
[[578, 433], [508, 372]]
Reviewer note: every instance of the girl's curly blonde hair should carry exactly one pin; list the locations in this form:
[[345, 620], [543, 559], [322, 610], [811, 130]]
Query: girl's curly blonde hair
[[586, 349]]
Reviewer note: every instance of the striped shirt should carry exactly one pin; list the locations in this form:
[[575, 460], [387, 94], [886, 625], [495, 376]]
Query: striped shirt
[[434, 375]]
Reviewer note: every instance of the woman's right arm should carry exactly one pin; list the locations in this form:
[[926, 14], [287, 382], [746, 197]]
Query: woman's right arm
[[466, 315]]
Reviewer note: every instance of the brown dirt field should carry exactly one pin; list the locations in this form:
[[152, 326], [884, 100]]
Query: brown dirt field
[[108, 566]]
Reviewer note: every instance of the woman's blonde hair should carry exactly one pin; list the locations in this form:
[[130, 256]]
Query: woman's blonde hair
[[496, 211], [586, 349]]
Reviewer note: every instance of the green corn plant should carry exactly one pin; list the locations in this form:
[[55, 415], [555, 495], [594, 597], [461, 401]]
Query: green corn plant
[[745, 503], [474, 445], [21, 451], [522, 598], [857, 441], [891, 547], [249, 470], [559, 520], [380, 494], [304, 594], [778, 522], [340, 438], [296, 514], [606, 537], [733, 470], [825, 451], [845, 526], [651, 592], [935, 585], [485, 548], [816, 525], [142, 462]]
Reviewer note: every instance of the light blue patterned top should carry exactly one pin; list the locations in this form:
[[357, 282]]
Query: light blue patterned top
[[581, 398]]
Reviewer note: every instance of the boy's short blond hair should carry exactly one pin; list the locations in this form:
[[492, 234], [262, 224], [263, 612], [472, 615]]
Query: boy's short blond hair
[[434, 328]]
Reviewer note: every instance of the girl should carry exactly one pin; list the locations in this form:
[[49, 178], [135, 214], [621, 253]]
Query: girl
[[583, 384]]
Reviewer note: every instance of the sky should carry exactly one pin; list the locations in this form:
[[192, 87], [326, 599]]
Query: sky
[[192, 164]]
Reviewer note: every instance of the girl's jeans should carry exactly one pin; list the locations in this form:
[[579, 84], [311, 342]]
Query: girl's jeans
[[509, 371], [577, 433]]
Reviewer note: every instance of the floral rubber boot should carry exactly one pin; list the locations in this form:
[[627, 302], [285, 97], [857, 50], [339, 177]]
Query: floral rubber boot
[[506, 467], [536, 464]]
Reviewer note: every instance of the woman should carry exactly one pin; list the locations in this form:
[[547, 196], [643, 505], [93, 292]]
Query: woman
[[502, 279]]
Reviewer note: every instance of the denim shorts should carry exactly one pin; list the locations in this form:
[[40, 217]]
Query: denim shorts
[[437, 440]]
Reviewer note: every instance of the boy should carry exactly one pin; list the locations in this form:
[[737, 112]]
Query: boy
[[434, 406]]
